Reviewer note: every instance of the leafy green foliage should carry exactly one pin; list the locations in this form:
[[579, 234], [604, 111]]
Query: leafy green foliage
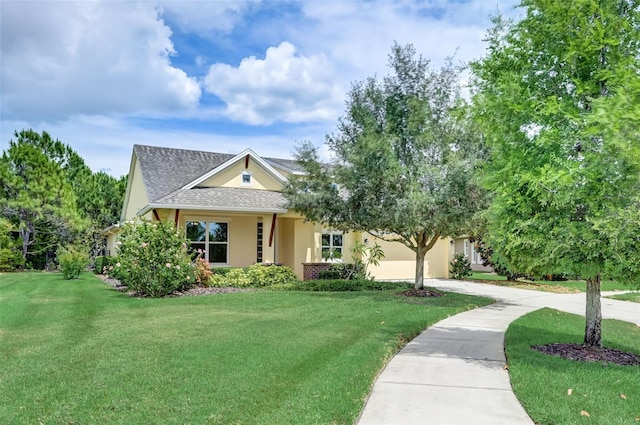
[[72, 261], [460, 266], [10, 255], [270, 274], [37, 199], [342, 285], [256, 275], [153, 259], [234, 277], [405, 153], [102, 264], [335, 272], [362, 256], [558, 101], [51, 197]]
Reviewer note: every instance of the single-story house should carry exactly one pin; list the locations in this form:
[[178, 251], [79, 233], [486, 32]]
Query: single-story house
[[231, 207], [464, 246]]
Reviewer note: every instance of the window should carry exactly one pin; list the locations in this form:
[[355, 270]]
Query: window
[[332, 245], [259, 248], [210, 237], [246, 177]]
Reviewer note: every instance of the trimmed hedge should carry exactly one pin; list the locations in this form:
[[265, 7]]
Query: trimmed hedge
[[341, 285]]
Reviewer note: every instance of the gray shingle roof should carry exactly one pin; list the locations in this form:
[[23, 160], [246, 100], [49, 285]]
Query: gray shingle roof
[[289, 165], [164, 170], [226, 198]]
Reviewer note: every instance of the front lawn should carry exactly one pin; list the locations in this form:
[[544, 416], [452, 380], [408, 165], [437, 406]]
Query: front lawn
[[554, 390], [75, 352], [630, 296], [566, 286]]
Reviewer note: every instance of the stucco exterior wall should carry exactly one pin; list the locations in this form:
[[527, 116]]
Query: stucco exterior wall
[[138, 195], [242, 234], [232, 177], [399, 261], [476, 264]]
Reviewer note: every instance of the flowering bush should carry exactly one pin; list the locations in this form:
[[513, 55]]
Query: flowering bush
[[460, 267], [72, 261], [203, 272], [152, 259]]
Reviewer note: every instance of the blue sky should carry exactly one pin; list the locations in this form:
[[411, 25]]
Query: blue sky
[[209, 75]]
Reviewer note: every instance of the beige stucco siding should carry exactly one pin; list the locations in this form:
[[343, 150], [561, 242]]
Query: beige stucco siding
[[137, 196], [242, 234], [232, 177], [400, 263], [476, 263]]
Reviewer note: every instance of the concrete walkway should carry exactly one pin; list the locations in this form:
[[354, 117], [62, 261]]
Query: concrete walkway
[[454, 372]]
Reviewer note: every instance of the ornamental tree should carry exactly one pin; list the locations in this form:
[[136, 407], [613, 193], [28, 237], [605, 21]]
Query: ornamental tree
[[36, 198], [404, 153], [558, 100]]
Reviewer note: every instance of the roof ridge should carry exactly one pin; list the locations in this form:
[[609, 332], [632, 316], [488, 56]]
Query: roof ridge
[[137, 145]]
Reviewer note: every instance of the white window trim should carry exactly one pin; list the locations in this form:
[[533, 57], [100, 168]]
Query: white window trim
[[246, 173], [331, 246], [206, 242]]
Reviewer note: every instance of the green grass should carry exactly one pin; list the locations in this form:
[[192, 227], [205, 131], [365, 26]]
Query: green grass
[[76, 352], [485, 276], [630, 296], [566, 286], [541, 382]]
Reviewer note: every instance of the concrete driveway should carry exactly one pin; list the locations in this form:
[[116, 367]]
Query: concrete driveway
[[454, 372]]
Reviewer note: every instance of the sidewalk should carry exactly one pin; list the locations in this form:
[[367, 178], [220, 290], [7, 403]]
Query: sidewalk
[[453, 373]]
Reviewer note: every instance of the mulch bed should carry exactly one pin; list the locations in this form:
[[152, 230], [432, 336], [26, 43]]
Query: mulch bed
[[585, 353], [188, 293], [422, 292]]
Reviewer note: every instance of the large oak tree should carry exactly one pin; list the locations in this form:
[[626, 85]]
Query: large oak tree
[[558, 99], [404, 155]]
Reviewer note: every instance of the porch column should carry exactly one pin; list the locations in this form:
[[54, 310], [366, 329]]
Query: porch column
[[268, 240]]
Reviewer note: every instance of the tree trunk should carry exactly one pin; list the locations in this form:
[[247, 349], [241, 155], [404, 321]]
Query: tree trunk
[[593, 314], [25, 234], [420, 253]]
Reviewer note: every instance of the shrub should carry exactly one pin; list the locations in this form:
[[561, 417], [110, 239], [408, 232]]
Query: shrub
[[270, 274], [460, 267], [342, 285], [72, 261], [237, 278], [330, 274], [202, 270], [153, 259], [101, 265]]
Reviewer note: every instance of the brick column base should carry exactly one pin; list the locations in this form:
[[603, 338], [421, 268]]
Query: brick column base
[[310, 270]]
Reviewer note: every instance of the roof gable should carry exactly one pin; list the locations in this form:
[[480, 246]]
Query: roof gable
[[248, 153]]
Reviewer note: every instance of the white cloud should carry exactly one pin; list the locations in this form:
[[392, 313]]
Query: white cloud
[[64, 58], [204, 17], [284, 86], [357, 36]]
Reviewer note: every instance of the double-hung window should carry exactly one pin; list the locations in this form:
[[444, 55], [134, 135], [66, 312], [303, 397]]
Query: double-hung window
[[211, 238], [331, 245]]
